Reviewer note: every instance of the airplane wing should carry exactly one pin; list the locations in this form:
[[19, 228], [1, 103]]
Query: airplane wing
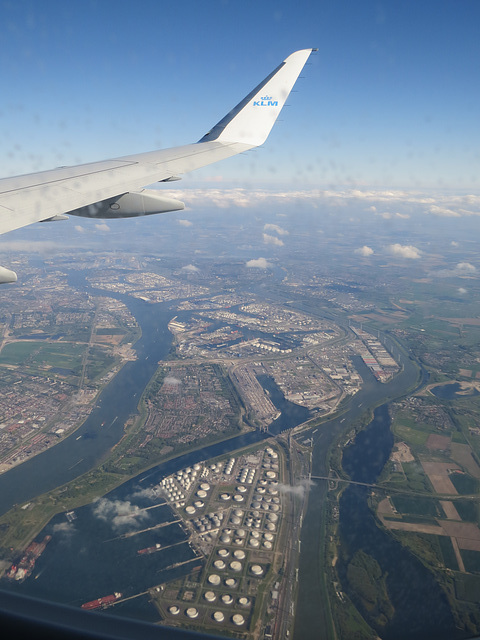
[[115, 188]]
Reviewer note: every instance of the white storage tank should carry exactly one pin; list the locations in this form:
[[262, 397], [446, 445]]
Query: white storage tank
[[256, 570]]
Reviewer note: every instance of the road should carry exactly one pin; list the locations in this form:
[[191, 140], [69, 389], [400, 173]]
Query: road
[[299, 465]]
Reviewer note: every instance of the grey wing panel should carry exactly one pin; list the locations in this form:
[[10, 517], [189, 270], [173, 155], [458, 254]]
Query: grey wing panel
[[32, 198]]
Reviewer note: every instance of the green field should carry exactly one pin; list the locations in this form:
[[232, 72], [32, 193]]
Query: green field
[[471, 560], [449, 557], [42, 355], [110, 331], [415, 437], [464, 483], [416, 477], [99, 361], [467, 587], [19, 352], [468, 510], [416, 505]]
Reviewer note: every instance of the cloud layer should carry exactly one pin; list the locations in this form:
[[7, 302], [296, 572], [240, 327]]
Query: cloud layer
[[387, 203]]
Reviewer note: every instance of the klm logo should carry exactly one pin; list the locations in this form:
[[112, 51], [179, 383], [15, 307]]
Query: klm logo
[[265, 101]]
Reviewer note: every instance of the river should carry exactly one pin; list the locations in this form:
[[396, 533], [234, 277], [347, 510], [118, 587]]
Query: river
[[421, 607], [104, 427], [312, 619], [87, 555]]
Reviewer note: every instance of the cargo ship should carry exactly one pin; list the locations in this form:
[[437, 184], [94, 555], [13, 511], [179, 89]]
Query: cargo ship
[[26, 564], [157, 547], [103, 603]]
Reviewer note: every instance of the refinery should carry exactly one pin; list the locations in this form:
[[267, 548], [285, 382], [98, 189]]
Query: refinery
[[232, 510]]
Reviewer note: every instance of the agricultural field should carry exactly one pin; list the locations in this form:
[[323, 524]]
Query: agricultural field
[[431, 502], [37, 357]]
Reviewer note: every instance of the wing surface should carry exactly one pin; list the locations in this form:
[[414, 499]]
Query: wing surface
[[41, 196]]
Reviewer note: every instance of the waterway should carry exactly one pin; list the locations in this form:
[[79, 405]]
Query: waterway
[[78, 545], [421, 607], [118, 401], [292, 414], [104, 427], [312, 616], [87, 556], [452, 390]]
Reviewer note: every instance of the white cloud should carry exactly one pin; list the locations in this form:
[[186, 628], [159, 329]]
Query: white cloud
[[405, 251], [32, 246], [461, 269], [190, 268], [298, 489], [454, 243], [260, 263], [364, 251], [462, 291], [64, 527], [151, 493], [79, 228], [102, 226], [185, 223], [120, 513], [276, 228], [443, 212], [172, 381], [390, 216], [373, 201], [267, 239], [465, 267]]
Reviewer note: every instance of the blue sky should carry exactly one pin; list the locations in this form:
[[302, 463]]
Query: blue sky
[[389, 101]]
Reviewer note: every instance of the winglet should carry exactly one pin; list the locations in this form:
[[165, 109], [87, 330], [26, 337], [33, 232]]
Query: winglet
[[252, 119]]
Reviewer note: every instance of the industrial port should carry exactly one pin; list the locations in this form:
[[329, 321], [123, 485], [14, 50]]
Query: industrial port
[[232, 509]]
